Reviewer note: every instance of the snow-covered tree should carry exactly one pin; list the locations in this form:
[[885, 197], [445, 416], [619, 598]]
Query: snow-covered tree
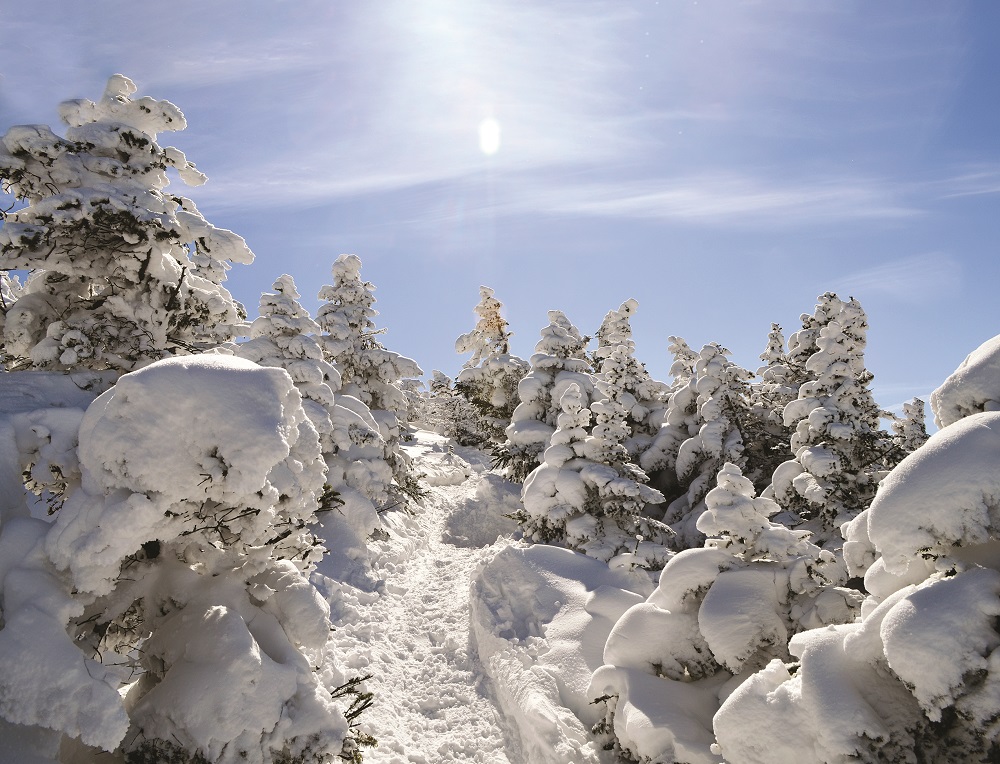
[[282, 336], [586, 493], [840, 452], [765, 436], [369, 372], [700, 434], [682, 367], [488, 380], [559, 361], [916, 677], [122, 271], [176, 571], [719, 613], [490, 336], [644, 398], [909, 431], [450, 414]]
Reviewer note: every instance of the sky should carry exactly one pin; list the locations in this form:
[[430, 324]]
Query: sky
[[722, 162]]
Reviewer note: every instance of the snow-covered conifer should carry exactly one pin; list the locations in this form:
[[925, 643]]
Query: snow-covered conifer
[[490, 336], [840, 452], [644, 398], [615, 330], [910, 430], [682, 367], [765, 436], [181, 556], [282, 336], [369, 372], [559, 361], [700, 434], [488, 380], [123, 272], [719, 613], [916, 677], [586, 494]]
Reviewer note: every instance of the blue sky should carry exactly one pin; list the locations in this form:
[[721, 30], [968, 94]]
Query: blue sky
[[722, 162]]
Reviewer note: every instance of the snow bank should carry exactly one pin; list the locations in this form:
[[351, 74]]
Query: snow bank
[[540, 617]]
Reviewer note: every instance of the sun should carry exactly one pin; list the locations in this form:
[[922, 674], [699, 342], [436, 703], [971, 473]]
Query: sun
[[489, 136]]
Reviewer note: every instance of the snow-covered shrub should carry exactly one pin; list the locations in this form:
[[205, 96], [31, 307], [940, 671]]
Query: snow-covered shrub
[[176, 570], [719, 613], [558, 362], [369, 372], [917, 677], [123, 273], [488, 380], [840, 452], [587, 495]]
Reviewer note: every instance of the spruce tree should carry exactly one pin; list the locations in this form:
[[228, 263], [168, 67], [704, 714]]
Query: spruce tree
[[488, 380], [559, 361], [840, 453], [122, 271], [369, 372]]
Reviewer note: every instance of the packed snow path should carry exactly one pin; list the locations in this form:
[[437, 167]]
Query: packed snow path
[[412, 634]]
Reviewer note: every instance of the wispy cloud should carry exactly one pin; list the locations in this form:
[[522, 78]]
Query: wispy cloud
[[742, 200], [911, 279], [979, 181]]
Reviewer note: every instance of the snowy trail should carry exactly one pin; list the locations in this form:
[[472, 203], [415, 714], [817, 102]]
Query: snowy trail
[[431, 700]]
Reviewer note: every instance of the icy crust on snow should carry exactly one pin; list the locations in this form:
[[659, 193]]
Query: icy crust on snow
[[972, 388], [540, 617]]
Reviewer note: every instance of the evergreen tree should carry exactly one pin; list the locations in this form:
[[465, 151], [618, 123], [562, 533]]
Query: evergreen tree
[[840, 453], [719, 613], [766, 437], [369, 372], [685, 358], [559, 361], [282, 336], [644, 399], [586, 493], [702, 432], [488, 380], [910, 430], [122, 272]]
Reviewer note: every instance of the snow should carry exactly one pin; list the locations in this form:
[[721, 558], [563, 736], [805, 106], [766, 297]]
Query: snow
[[972, 388], [477, 646]]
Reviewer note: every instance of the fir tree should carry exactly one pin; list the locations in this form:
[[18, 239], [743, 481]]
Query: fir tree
[[910, 430], [282, 336], [559, 361], [122, 272], [840, 453], [586, 493], [488, 380], [369, 372]]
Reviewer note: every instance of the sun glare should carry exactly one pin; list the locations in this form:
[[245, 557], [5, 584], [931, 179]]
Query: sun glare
[[489, 136]]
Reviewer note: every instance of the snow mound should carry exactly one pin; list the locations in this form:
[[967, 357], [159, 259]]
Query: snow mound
[[942, 500], [972, 388], [540, 617]]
